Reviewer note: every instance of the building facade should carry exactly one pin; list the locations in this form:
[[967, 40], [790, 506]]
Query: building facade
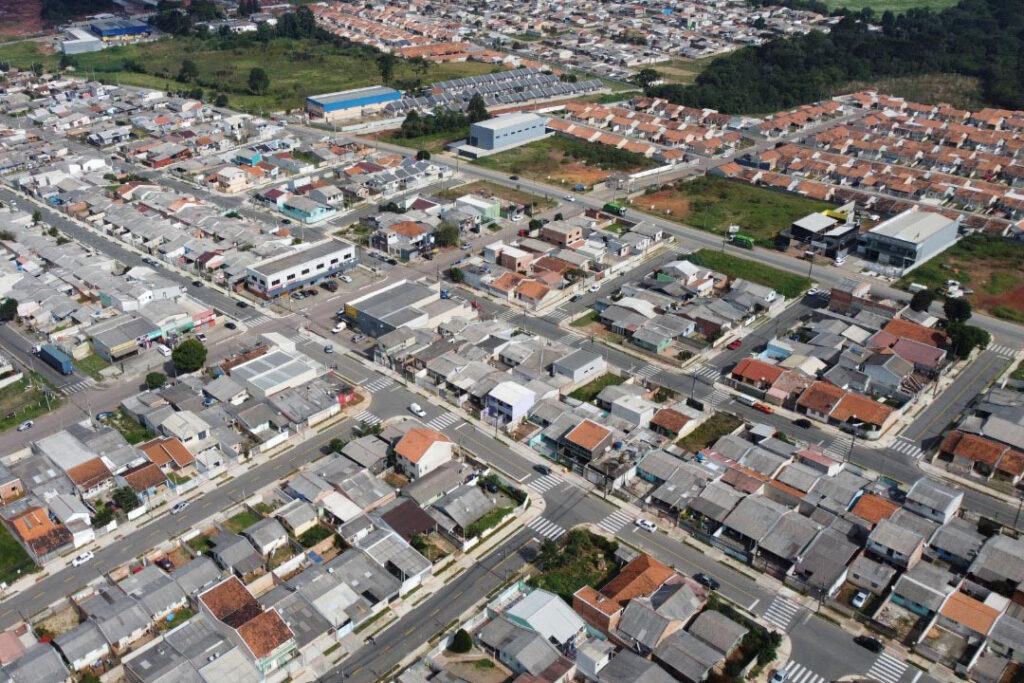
[[282, 274], [906, 241], [348, 104], [507, 130]]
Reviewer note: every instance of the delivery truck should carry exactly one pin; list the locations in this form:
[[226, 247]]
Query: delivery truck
[[56, 359]]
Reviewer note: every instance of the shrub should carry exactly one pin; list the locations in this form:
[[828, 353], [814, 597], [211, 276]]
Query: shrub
[[462, 642]]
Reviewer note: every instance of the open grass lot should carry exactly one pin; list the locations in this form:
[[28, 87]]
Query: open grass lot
[[297, 68], [588, 392], [489, 189], [710, 431], [566, 161], [682, 70], [92, 365], [14, 561], [242, 521], [713, 204], [992, 267], [784, 283], [894, 5], [19, 403], [579, 559], [432, 143]]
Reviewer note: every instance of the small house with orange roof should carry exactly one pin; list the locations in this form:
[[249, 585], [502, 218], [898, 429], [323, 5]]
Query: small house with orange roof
[[756, 373], [873, 509], [585, 442], [169, 454], [422, 451], [603, 609], [43, 537], [968, 616]]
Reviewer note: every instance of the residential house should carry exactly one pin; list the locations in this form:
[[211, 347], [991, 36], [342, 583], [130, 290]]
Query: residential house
[[120, 618], [958, 543], [421, 451], [585, 442], [895, 544], [924, 589], [155, 592], [548, 615], [1000, 564], [235, 554], [41, 535], [82, 646], [400, 559], [934, 500], [297, 516], [603, 609], [267, 536]]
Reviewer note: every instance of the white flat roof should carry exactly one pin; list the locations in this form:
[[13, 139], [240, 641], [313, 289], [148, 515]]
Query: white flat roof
[[510, 393], [513, 119], [912, 226]]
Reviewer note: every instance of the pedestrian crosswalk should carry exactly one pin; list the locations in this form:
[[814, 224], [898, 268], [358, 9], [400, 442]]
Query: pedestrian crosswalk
[[887, 669], [261, 319], [379, 384], [443, 420], [556, 316], [569, 339], [546, 528], [798, 673], [647, 370], [840, 446], [508, 315], [781, 612], [74, 388], [1006, 351], [906, 446], [367, 417], [708, 372], [545, 483], [615, 521]]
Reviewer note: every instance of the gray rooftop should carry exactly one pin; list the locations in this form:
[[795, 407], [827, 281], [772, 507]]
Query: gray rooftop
[[197, 575], [688, 656], [365, 577], [318, 250], [717, 630], [627, 667], [889, 535], [790, 536], [39, 664]]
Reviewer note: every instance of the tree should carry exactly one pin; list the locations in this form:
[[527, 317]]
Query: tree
[[922, 301], [125, 498], [646, 76], [259, 81], [462, 642], [536, 224], [9, 309], [965, 338], [189, 356], [456, 275], [386, 67], [446, 235], [423, 155], [568, 77], [221, 100], [37, 216], [155, 380], [67, 61], [188, 71], [335, 445], [957, 310], [476, 111]]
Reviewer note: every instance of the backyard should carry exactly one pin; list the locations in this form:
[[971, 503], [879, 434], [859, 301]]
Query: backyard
[[784, 283], [132, 431], [569, 162], [242, 521], [25, 400], [992, 267], [297, 68], [588, 392], [713, 204]]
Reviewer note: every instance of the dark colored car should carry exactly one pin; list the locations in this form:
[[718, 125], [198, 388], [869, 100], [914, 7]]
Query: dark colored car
[[706, 580], [869, 643], [513, 177], [734, 345], [230, 325], [197, 283], [802, 423], [543, 469], [165, 564], [575, 297], [241, 304]]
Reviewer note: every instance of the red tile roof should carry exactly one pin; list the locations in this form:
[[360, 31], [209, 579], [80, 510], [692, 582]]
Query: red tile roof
[[755, 370], [588, 435], [854, 406], [820, 397], [265, 633], [911, 330], [669, 420], [417, 441], [874, 508], [639, 578], [164, 451], [231, 602]]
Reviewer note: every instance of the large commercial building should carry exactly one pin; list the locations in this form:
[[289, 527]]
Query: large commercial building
[[79, 41], [904, 242], [349, 104], [114, 30], [504, 132], [282, 274], [403, 304]]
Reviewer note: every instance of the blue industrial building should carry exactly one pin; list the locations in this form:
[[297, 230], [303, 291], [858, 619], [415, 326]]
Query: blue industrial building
[[351, 103], [506, 131], [120, 29]]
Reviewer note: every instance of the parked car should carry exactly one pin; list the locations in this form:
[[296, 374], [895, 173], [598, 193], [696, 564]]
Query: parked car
[[764, 408], [339, 327], [329, 348], [345, 278], [165, 564], [735, 344], [575, 297], [241, 304], [201, 337], [197, 283], [466, 245], [230, 325], [569, 198], [178, 507], [596, 287], [543, 469], [869, 643], [417, 410], [802, 423], [513, 177], [859, 599], [646, 525], [79, 560], [778, 676], [813, 291], [706, 580], [298, 295], [330, 286], [312, 292], [358, 338], [27, 424]]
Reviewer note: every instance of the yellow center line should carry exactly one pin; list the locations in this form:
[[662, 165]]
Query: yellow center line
[[38, 595]]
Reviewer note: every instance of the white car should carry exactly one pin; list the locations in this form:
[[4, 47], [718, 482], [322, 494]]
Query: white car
[[339, 327], [594, 288], [417, 410], [82, 559], [859, 598], [569, 198], [646, 525], [345, 278], [201, 337], [813, 291], [27, 424], [178, 507]]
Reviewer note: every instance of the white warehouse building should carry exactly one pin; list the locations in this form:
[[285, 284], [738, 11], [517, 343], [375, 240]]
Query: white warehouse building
[[281, 274]]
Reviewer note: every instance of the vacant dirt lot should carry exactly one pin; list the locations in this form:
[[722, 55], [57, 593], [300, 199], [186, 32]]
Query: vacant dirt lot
[[19, 17], [665, 200], [574, 172]]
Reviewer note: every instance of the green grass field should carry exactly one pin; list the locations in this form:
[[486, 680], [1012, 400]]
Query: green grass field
[[14, 561], [712, 203], [786, 284], [297, 68], [19, 403], [895, 5], [570, 161], [432, 143]]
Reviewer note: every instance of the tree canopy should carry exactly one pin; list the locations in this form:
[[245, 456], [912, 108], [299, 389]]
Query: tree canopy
[[259, 81], [980, 38], [922, 301], [189, 356], [957, 310], [965, 338], [155, 380]]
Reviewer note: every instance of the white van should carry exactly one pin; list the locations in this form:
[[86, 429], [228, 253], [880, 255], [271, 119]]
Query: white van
[[163, 350], [339, 327]]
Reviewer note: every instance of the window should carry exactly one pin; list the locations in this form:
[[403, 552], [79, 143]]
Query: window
[[305, 271], [291, 277], [276, 282], [335, 260], [319, 266]]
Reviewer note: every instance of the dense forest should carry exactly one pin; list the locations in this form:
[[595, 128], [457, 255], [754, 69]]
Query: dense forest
[[56, 11], [980, 38]]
